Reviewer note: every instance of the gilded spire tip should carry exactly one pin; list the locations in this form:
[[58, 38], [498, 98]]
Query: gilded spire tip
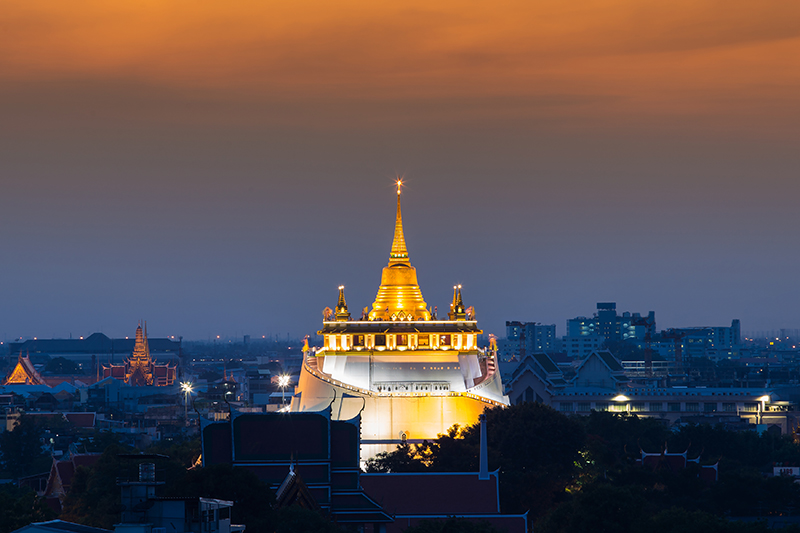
[[399, 253]]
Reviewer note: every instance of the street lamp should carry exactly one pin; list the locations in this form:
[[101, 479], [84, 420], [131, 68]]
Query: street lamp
[[187, 388], [283, 382]]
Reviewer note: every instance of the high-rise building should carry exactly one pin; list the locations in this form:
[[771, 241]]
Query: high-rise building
[[612, 327], [524, 338], [411, 374]]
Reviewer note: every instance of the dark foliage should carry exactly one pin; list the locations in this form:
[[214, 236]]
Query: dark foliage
[[23, 451], [20, 507]]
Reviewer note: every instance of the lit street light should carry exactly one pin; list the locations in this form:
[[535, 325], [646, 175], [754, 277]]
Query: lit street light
[[283, 382], [187, 388]]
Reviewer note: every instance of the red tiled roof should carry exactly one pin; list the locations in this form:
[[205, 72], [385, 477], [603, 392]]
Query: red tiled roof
[[85, 459], [433, 493], [65, 471], [81, 420]]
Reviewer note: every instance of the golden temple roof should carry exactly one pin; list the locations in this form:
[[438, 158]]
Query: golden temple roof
[[399, 296], [24, 373]]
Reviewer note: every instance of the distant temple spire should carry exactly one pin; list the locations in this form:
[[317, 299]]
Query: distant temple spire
[[140, 369]]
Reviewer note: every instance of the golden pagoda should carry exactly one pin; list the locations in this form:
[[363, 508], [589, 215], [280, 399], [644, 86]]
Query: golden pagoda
[[140, 369], [410, 374]]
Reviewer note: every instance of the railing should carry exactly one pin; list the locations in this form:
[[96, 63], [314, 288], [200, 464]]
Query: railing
[[366, 392]]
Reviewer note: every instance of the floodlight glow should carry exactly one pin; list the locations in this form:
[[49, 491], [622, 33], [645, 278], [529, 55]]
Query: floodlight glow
[[620, 398]]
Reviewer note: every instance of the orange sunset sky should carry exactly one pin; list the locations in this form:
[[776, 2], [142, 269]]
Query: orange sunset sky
[[223, 167]]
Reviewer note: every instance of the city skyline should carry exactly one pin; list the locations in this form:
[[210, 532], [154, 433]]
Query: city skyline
[[221, 170]]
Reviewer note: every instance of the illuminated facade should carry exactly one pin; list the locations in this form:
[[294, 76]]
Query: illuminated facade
[[411, 375], [24, 373], [140, 369]]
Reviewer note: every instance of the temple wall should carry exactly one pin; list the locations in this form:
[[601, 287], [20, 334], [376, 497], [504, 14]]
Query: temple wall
[[384, 418]]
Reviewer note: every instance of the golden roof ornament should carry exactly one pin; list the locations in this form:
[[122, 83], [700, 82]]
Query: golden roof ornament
[[457, 311], [342, 315]]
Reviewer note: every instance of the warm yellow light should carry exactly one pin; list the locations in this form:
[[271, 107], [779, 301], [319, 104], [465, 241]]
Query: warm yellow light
[[620, 398], [764, 398], [341, 287], [283, 381], [187, 387]]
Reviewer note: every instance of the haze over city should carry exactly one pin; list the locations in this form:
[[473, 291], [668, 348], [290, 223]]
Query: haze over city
[[221, 170]]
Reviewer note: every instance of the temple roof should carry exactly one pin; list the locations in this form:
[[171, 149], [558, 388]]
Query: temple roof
[[399, 296], [24, 373]]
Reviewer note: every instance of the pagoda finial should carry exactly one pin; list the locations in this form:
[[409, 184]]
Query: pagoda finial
[[457, 311], [399, 253], [341, 306]]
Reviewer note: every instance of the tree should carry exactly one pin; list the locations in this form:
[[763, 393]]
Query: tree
[[21, 450], [94, 497], [535, 448], [252, 499], [20, 507]]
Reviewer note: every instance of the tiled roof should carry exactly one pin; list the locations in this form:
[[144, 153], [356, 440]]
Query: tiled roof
[[433, 493]]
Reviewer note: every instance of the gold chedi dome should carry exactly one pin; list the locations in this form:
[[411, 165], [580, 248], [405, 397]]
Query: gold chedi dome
[[399, 296]]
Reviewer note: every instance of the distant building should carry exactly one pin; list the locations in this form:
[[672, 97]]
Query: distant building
[[581, 346], [105, 349], [140, 369], [528, 337], [712, 342], [600, 384], [612, 327]]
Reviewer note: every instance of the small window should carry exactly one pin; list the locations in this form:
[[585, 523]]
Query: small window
[[444, 340], [565, 407], [358, 340], [601, 406], [751, 407], [729, 407], [423, 340], [584, 407], [637, 407], [402, 340], [692, 407], [709, 407], [380, 340], [656, 406], [674, 407]]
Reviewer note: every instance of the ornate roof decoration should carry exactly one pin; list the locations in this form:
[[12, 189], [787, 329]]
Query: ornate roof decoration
[[24, 373]]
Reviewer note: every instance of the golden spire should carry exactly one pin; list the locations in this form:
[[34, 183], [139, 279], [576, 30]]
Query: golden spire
[[399, 297], [341, 307], [457, 311], [399, 253]]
